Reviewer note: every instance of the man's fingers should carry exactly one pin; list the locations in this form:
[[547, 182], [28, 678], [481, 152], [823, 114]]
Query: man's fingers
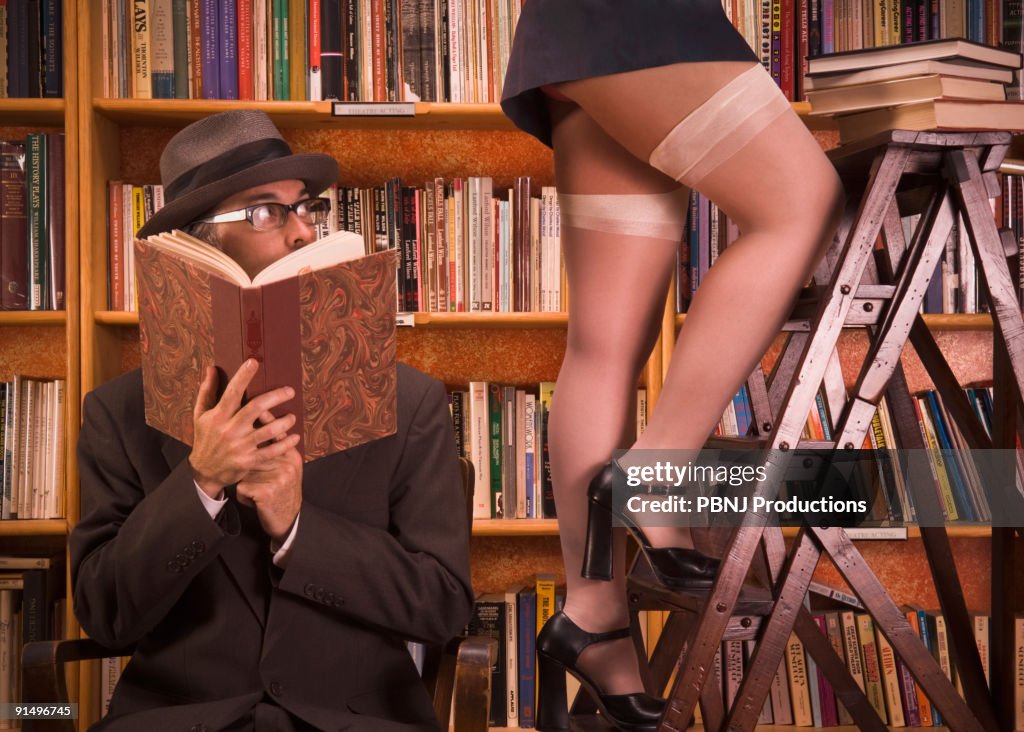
[[206, 397], [276, 449], [275, 430], [235, 390], [258, 406]]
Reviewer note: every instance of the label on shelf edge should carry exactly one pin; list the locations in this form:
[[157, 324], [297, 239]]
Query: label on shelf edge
[[373, 109]]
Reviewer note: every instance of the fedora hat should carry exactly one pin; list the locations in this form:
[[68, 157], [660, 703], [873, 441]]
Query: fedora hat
[[223, 154]]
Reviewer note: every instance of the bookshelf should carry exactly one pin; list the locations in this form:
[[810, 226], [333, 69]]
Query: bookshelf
[[87, 344]]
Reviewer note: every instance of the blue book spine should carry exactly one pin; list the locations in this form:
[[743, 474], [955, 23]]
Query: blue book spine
[[965, 504], [694, 242], [744, 415], [922, 626], [527, 637], [53, 37], [179, 25], [227, 43], [211, 53]]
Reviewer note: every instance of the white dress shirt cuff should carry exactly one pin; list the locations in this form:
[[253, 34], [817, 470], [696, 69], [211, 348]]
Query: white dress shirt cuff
[[281, 552], [213, 506]]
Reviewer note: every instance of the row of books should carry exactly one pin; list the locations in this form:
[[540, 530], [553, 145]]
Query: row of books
[[800, 694], [503, 432], [32, 49], [32, 608], [349, 50], [948, 84], [32, 235], [32, 435], [462, 249], [954, 288]]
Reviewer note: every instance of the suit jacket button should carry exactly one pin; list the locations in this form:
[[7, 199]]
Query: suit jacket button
[[173, 567], [277, 689], [309, 590], [198, 728], [189, 552], [199, 546], [339, 602]]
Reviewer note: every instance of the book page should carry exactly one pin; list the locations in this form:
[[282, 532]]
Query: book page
[[340, 246]]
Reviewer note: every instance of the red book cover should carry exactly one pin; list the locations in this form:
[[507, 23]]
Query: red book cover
[[246, 85], [380, 92], [13, 227], [327, 330], [789, 47]]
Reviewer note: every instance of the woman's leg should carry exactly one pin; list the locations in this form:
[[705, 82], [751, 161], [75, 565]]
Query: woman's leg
[[785, 197], [618, 285]]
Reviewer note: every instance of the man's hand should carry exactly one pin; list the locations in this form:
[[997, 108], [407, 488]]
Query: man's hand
[[274, 489], [228, 443]]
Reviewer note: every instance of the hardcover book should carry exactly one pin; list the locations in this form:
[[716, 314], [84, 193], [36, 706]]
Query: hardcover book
[[321, 320], [953, 50]]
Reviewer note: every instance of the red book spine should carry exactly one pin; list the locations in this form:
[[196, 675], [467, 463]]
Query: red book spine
[[788, 39], [380, 92], [313, 49], [803, 48], [246, 85]]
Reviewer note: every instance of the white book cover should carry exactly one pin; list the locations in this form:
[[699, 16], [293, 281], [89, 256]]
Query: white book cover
[[479, 454]]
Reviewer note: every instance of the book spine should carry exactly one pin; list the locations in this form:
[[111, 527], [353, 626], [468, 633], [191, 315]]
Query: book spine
[[53, 46], [298, 67], [245, 59], [350, 50], [35, 173], [55, 217], [872, 672], [495, 452], [332, 83], [789, 46], [180, 48], [479, 452], [227, 48], [890, 680], [162, 41], [527, 606], [34, 49], [796, 665], [315, 51], [210, 50], [281, 61], [142, 52], [13, 227]]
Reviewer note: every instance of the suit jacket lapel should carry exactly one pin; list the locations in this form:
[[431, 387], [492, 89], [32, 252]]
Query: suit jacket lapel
[[247, 556]]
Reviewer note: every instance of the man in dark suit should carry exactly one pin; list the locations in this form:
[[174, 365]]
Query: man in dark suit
[[260, 593]]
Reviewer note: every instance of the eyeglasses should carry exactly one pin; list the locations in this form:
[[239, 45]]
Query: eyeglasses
[[272, 215]]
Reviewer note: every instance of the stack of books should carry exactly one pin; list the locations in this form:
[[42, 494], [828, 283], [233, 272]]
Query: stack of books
[[948, 84]]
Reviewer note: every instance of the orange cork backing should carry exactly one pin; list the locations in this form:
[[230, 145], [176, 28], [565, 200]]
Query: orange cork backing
[[369, 157], [39, 351]]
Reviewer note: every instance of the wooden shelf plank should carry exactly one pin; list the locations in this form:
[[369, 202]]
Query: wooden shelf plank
[[429, 115], [426, 320], [50, 527], [549, 527], [179, 112], [32, 112], [34, 317], [953, 321], [515, 527]]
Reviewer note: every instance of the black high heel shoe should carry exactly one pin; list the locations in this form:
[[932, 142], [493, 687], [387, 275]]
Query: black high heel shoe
[[674, 567], [559, 645]]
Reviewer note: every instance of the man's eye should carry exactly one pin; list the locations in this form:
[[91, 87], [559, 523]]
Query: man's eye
[[264, 215]]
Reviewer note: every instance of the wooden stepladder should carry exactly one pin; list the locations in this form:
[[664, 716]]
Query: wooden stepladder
[[941, 175]]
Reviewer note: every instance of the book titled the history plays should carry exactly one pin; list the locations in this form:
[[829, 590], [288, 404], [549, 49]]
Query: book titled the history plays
[[321, 319]]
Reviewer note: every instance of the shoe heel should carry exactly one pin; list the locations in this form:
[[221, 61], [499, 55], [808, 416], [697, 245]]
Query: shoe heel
[[597, 552], [552, 707]]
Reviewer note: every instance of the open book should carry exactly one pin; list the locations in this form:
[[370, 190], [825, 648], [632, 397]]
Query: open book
[[321, 320]]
